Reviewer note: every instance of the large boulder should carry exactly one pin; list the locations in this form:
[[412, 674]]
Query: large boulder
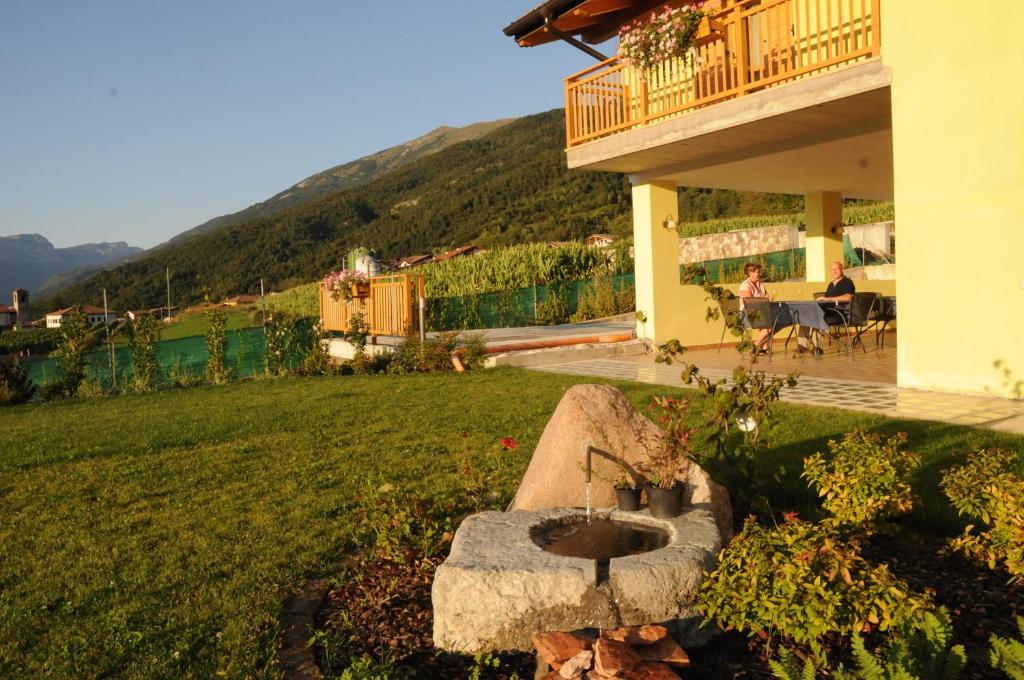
[[602, 416]]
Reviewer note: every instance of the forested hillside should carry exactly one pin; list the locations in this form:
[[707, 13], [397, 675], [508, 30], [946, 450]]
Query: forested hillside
[[510, 186]]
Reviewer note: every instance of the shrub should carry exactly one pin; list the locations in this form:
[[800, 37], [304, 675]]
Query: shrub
[[74, 342], [143, 336], [435, 354], [800, 581], [923, 654], [15, 387], [317, 361], [864, 478], [282, 340], [988, 490], [600, 300], [1007, 654], [216, 336]]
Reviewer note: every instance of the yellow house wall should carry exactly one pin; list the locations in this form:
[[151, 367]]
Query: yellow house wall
[[958, 151]]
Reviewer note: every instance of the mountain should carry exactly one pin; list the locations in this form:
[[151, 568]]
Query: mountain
[[508, 186], [29, 260], [348, 175], [345, 176]]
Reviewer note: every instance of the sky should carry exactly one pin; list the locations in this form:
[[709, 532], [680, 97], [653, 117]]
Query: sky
[[134, 121]]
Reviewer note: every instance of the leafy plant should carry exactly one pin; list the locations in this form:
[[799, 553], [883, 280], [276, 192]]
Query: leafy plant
[[358, 332], [479, 490], [74, 342], [317, 360], [988, 490], [1007, 654], [555, 309], [282, 343], [217, 370], [667, 456], [15, 386], [143, 336], [864, 478], [801, 582], [600, 300], [923, 653]]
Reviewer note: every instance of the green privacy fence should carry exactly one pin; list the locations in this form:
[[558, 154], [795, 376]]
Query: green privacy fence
[[540, 305], [183, 357]]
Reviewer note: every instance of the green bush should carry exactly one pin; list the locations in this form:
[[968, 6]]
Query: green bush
[[31, 340], [601, 299], [435, 354], [989, 491], [922, 654], [801, 582], [864, 478], [217, 370], [75, 341], [282, 342], [15, 387], [1007, 654], [143, 336]]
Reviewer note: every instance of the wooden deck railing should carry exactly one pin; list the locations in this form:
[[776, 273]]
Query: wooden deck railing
[[392, 308], [752, 44]]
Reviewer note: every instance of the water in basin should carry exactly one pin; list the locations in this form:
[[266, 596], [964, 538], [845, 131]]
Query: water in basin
[[599, 538]]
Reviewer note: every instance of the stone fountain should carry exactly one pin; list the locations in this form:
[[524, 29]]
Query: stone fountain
[[502, 582]]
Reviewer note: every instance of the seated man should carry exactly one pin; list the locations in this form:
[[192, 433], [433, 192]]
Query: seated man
[[840, 290]]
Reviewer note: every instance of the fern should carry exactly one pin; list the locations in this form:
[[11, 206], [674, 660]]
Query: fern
[[1007, 655], [787, 667]]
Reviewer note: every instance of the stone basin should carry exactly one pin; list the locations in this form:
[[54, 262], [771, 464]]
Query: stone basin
[[498, 586]]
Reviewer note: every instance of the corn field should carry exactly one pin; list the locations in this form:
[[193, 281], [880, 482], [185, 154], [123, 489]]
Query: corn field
[[523, 266], [852, 214]]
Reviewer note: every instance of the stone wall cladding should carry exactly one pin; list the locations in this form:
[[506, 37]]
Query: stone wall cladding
[[876, 237]]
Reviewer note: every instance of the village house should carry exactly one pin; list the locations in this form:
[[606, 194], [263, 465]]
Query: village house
[[600, 240], [93, 315], [463, 251], [413, 261], [8, 317]]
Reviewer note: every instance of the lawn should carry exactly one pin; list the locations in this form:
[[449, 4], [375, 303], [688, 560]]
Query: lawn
[[157, 535], [196, 323]]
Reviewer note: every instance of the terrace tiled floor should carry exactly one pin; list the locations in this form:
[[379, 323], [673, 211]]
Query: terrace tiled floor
[[866, 383]]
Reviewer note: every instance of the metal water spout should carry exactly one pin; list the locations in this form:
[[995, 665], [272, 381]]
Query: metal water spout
[[587, 471]]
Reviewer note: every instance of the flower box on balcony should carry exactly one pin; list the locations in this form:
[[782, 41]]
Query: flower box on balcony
[[360, 290]]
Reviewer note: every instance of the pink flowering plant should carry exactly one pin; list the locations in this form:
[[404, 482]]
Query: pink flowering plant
[[660, 36], [339, 284]]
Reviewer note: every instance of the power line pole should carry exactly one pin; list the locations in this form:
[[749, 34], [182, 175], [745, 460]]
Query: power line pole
[[110, 343], [168, 271]]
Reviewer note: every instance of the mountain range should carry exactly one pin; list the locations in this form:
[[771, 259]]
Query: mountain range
[[510, 185], [29, 260]]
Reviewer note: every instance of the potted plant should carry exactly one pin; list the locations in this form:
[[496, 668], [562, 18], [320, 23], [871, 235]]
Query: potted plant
[[668, 457], [627, 492], [662, 35], [347, 285]]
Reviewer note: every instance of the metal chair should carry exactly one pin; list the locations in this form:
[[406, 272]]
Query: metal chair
[[857, 316], [730, 308], [762, 314], [885, 312]]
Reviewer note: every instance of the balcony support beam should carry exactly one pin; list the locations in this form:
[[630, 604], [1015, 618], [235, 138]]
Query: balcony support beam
[[824, 233], [656, 253]]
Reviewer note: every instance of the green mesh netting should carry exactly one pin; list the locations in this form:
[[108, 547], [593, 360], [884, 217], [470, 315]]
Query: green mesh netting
[[181, 357]]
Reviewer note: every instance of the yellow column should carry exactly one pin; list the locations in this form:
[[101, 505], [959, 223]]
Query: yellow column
[[824, 237], [656, 259]]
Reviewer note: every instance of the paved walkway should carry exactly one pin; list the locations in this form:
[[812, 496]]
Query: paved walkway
[[860, 395], [612, 326]]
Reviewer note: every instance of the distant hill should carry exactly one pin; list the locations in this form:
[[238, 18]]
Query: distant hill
[[348, 175], [30, 260], [509, 186], [345, 176]]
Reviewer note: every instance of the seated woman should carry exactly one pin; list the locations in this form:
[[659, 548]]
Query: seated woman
[[753, 287]]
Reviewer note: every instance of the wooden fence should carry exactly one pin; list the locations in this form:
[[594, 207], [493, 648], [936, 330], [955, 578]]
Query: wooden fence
[[392, 307], [747, 45]]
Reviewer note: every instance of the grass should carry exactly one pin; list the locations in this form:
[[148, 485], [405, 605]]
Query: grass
[[157, 535], [192, 324]]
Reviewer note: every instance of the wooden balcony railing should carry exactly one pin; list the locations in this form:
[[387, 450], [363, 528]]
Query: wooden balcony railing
[[752, 44], [392, 308]]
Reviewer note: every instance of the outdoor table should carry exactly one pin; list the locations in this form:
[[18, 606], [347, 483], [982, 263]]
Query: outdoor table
[[811, 314]]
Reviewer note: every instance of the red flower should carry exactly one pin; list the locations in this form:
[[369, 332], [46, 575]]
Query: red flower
[[508, 443], [789, 516]]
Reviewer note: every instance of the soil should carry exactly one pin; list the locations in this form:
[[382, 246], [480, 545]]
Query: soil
[[383, 607]]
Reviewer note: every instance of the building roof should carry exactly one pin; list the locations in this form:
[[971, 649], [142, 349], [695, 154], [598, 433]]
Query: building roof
[[607, 237], [461, 250], [593, 20], [86, 309], [413, 260], [5, 309]]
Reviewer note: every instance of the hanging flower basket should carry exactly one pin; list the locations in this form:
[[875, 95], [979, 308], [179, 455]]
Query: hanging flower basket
[[347, 285], [360, 290], [708, 31], [659, 36]]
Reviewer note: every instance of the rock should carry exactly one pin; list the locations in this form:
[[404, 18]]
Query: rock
[[557, 648], [602, 416], [573, 668], [614, 658], [637, 635], [665, 650], [652, 671]]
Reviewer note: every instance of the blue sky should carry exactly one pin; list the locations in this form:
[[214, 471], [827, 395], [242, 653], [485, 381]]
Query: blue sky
[[133, 121]]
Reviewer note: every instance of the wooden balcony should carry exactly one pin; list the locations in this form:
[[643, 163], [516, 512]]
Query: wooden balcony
[[749, 45], [391, 308]]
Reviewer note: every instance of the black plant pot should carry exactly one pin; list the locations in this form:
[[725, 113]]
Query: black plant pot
[[665, 502], [629, 499]]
